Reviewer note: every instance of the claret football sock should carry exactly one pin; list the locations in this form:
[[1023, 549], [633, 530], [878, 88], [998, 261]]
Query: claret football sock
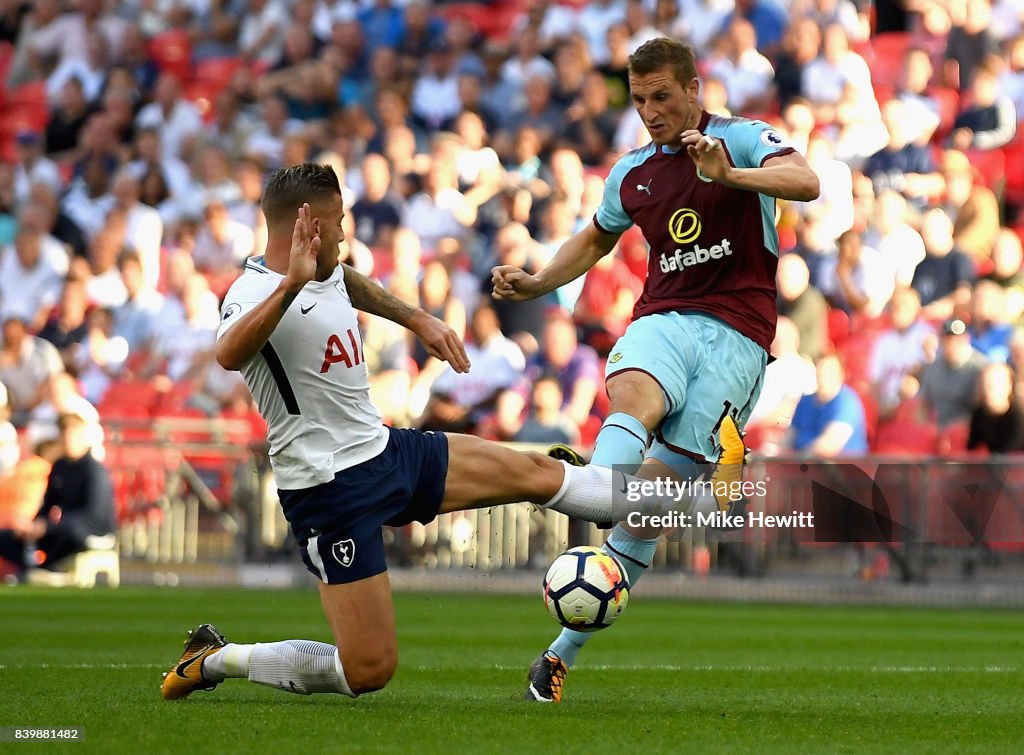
[[622, 443], [635, 555]]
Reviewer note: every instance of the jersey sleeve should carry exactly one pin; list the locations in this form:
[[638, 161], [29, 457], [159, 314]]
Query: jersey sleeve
[[244, 295], [750, 143], [611, 217]]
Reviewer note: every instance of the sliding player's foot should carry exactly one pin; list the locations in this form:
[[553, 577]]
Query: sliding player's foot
[[562, 452], [186, 675], [728, 474], [547, 674]]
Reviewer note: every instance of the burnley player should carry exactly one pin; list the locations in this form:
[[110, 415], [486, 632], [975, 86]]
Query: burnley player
[[689, 368], [289, 324]]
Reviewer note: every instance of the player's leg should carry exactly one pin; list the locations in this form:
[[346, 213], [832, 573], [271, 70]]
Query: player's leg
[[482, 473], [338, 530], [362, 659], [696, 394]]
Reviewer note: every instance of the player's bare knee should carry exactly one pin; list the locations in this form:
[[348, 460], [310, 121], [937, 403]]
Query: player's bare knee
[[370, 673], [638, 395]]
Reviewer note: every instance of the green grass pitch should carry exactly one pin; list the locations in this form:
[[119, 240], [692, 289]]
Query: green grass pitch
[[672, 676]]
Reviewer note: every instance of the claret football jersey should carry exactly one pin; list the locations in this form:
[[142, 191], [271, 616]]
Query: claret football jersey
[[713, 249], [310, 379]]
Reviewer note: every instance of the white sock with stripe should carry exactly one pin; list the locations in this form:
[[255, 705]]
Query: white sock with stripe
[[300, 666]]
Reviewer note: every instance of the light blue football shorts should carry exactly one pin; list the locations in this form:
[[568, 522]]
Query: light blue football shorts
[[705, 369]]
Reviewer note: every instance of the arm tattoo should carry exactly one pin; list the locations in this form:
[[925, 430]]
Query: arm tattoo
[[372, 299]]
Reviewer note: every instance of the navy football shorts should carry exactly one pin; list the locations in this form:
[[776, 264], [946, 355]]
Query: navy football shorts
[[338, 524]]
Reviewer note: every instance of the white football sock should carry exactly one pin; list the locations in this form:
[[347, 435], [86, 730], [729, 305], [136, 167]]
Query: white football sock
[[299, 666], [598, 494], [230, 662]]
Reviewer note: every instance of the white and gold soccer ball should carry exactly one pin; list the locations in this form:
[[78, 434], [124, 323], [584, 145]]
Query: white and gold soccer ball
[[586, 589]]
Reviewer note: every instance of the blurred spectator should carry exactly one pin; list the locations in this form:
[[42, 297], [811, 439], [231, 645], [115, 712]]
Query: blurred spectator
[[990, 332], [971, 40], [182, 350], [1007, 257], [972, 205], [903, 165], [989, 121], [547, 422], [66, 37], [175, 118], [386, 353], [222, 245], [101, 355], [90, 72], [590, 121], [788, 377], [604, 308], [539, 113], [379, 210], [29, 283], [79, 502], [803, 304], [949, 384], [768, 19], [900, 350], [889, 232], [833, 207], [922, 110], [459, 401], [60, 233], [997, 422], [261, 34], [440, 209], [267, 141], [1011, 78], [944, 276], [89, 199], [594, 21], [26, 364], [525, 64], [150, 156], [858, 279], [842, 12], [435, 98], [800, 47], [437, 299], [137, 319], [67, 120], [143, 228], [831, 421], [67, 327], [576, 365], [31, 165], [746, 73]]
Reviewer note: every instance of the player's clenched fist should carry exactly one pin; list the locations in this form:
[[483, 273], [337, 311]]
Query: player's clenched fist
[[514, 284]]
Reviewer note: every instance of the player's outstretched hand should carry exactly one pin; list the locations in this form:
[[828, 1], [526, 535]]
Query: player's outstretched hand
[[514, 284], [439, 340], [305, 247], [707, 154]]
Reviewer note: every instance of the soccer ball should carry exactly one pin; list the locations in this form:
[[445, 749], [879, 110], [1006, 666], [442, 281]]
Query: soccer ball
[[585, 589]]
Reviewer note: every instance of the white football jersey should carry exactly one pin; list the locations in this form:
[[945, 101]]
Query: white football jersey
[[309, 380]]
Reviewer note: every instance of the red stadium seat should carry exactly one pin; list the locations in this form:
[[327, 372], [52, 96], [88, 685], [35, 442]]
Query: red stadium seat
[[218, 72], [172, 52], [838, 326], [886, 60], [949, 106], [990, 165]]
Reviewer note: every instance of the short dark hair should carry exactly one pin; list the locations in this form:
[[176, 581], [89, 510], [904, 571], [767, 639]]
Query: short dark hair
[[658, 54], [288, 188]]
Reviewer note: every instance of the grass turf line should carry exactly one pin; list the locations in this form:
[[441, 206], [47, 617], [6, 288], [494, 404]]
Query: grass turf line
[[671, 676]]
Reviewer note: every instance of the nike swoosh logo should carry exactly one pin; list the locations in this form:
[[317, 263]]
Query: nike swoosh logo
[[305, 310], [183, 666]]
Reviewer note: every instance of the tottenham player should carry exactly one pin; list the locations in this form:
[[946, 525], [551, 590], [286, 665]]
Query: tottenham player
[[689, 368], [289, 324]]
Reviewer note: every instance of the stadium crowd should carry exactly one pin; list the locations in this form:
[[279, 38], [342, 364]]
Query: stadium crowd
[[136, 135]]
